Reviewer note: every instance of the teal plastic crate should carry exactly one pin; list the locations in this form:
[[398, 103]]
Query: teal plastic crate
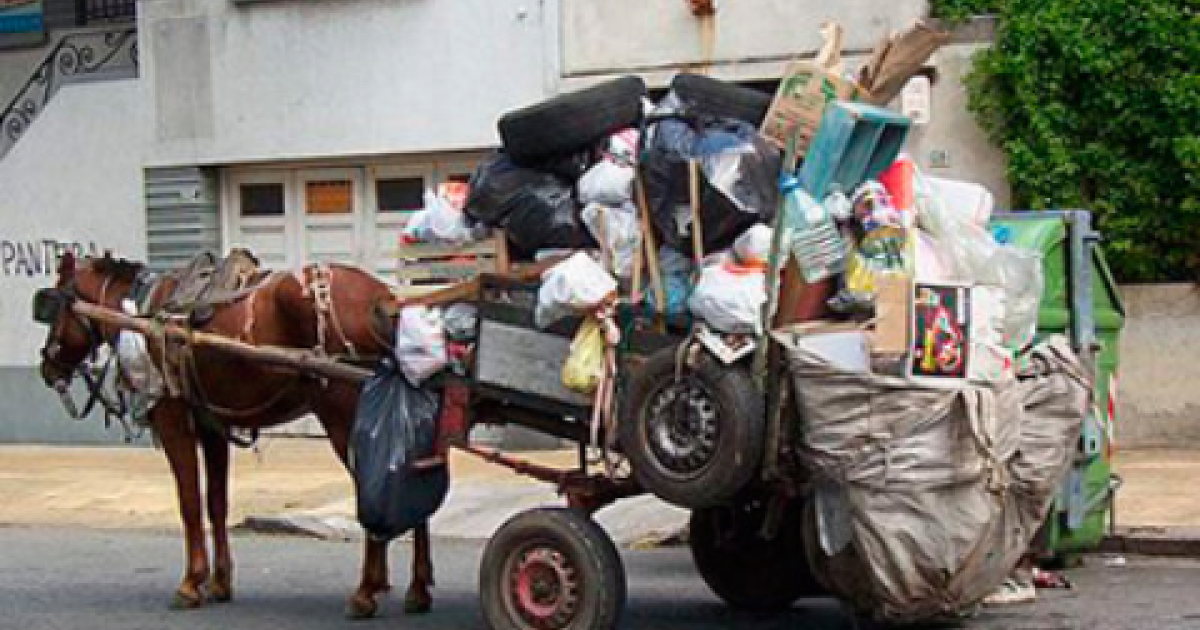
[[854, 143]]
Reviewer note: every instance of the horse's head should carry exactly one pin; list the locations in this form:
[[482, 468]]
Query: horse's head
[[73, 338]]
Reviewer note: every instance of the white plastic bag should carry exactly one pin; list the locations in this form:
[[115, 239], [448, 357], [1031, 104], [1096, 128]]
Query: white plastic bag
[[439, 222], [753, 247], [420, 343], [137, 366], [973, 256], [574, 285], [729, 298], [617, 229], [969, 200], [607, 183]]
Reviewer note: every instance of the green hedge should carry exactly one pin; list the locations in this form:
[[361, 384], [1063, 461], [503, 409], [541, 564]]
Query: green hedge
[[1097, 105]]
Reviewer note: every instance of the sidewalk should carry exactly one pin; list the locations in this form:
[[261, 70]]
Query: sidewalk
[[296, 485], [291, 485]]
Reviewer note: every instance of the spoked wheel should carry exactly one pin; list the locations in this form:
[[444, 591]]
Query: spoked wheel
[[693, 438], [746, 567], [551, 569]]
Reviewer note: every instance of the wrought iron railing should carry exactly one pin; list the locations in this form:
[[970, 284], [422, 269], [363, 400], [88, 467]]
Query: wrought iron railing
[[110, 53]]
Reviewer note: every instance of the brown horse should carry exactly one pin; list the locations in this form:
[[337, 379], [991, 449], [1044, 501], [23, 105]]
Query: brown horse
[[287, 310]]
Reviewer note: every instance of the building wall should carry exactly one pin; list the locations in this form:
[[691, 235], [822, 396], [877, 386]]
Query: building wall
[[229, 82], [73, 181], [16, 67], [953, 145], [1159, 403], [746, 39]]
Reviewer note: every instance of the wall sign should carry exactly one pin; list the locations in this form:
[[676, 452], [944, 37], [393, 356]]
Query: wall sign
[[28, 258], [21, 23]]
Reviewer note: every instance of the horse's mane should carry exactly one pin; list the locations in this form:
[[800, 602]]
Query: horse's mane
[[118, 269]]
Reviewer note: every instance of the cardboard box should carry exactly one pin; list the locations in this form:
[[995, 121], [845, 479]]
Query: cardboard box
[[805, 90], [893, 309]]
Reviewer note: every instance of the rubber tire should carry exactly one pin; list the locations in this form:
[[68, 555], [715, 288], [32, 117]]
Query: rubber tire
[[712, 97], [571, 122], [574, 534], [741, 434], [747, 571]]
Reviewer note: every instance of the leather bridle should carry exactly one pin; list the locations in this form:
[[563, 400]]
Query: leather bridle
[[93, 371]]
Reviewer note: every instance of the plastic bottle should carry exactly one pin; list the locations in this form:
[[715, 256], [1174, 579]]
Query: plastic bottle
[[812, 234]]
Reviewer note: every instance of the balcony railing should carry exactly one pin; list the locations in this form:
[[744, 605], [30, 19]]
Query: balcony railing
[[102, 54]]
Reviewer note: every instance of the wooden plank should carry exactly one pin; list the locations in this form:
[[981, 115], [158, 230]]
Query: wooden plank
[[427, 250], [446, 271]]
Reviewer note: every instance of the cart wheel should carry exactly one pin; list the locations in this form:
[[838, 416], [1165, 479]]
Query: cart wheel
[[743, 568], [695, 440], [551, 569]]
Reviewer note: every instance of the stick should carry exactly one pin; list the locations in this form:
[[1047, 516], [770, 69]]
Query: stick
[[305, 361], [660, 296]]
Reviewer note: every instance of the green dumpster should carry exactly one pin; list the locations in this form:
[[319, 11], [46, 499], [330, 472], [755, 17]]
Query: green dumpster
[[1081, 299]]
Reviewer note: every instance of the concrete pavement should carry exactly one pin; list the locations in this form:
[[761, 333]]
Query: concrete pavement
[[296, 485]]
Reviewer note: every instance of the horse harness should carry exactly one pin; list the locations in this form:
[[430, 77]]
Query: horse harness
[[189, 298]]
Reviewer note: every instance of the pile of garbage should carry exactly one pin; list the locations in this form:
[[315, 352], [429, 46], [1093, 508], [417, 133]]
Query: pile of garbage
[[908, 328]]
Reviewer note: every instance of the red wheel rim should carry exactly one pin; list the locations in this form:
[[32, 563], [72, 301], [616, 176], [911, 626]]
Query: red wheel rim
[[544, 589]]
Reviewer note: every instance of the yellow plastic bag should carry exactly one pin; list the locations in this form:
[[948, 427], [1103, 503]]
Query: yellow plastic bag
[[585, 364]]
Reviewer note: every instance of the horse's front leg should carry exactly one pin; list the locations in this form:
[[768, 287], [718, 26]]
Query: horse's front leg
[[418, 599], [363, 604], [216, 491], [179, 442]]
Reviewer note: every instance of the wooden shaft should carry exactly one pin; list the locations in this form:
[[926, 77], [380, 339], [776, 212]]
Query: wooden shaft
[[305, 361]]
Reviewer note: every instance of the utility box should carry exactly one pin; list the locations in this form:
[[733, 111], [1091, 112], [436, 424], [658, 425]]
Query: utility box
[[1081, 300]]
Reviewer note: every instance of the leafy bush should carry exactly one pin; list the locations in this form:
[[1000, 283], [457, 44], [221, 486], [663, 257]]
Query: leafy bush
[[1097, 105]]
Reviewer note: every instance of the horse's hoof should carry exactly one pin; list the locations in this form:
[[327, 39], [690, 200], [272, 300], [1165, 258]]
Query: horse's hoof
[[361, 609], [414, 605], [220, 594], [186, 601]]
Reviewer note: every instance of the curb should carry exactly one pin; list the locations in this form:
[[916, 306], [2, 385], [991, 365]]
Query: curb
[[1176, 542], [475, 513]]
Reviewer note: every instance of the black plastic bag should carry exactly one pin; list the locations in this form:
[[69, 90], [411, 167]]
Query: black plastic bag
[[739, 179], [537, 210], [498, 185], [394, 427], [546, 216]]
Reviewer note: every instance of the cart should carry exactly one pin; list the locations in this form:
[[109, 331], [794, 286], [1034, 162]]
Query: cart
[[691, 429]]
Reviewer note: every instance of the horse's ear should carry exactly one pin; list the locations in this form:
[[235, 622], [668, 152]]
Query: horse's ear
[[66, 265]]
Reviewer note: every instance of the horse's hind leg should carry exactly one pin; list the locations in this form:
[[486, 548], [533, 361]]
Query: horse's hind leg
[[418, 599], [179, 442], [216, 491]]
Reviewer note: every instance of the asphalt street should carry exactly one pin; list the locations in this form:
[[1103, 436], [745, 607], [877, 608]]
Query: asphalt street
[[58, 579]]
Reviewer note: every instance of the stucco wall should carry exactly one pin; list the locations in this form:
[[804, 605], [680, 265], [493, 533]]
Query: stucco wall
[[74, 178], [745, 39], [16, 66], [1159, 395], [953, 145], [229, 82]]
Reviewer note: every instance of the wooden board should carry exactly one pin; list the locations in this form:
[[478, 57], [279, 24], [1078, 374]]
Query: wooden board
[[426, 267]]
